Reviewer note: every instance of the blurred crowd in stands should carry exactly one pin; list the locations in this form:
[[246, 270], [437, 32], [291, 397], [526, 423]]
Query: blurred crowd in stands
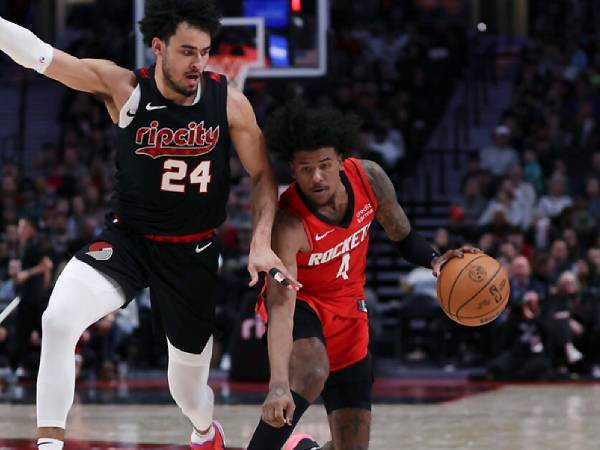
[[531, 198]]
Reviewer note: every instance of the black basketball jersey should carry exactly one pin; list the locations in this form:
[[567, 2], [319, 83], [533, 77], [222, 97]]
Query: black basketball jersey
[[173, 161]]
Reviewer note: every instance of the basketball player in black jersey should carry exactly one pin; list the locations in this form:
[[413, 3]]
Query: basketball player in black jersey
[[175, 123]]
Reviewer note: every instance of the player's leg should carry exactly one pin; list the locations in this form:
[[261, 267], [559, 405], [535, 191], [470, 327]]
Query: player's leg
[[188, 384], [347, 391], [350, 428], [309, 368], [82, 296], [182, 286], [102, 278], [347, 399]]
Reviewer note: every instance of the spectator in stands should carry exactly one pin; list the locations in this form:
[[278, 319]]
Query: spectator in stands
[[563, 260], [524, 196], [487, 244], [441, 240], [501, 211], [499, 157], [592, 197], [472, 202], [556, 201], [565, 312], [506, 253], [33, 281], [593, 257], [107, 344], [522, 282], [8, 289], [517, 238], [388, 145], [474, 171], [571, 239], [525, 356], [532, 171]]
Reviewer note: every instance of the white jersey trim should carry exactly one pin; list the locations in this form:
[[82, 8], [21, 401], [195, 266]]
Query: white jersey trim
[[130, 107]]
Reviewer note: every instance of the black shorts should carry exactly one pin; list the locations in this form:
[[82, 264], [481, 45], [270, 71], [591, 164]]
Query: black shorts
[[182, 278], [350, 387]]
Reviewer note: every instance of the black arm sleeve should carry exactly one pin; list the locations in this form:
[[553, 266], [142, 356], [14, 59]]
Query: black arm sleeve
[[416, 250]]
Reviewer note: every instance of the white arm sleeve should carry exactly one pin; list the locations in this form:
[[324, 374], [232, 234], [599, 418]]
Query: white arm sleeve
[[24, 47]]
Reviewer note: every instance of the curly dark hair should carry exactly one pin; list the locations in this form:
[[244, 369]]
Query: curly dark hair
[[296, 127], [161, 18]]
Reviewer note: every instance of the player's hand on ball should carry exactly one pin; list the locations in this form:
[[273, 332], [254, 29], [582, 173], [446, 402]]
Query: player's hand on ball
[[278, 408], [264, 260], [439, 262]]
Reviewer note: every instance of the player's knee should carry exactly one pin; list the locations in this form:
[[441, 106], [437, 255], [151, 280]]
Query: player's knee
[[180, 357], [56, 324], [197, 406], [309, 375], [316, 376]]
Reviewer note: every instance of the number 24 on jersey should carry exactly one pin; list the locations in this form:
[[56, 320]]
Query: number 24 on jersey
[[175, 172]]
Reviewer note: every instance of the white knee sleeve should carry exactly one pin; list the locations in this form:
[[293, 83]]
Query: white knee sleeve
[[188, 377], [82, 296]]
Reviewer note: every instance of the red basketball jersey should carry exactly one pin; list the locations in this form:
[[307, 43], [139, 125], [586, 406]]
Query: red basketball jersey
[[332, 273]]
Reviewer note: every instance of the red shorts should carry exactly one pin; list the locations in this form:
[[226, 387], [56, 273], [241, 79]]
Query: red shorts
[[346, 339]]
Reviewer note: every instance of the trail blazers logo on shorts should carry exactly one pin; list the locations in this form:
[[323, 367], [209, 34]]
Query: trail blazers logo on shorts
[[192, 141], [100, 251]]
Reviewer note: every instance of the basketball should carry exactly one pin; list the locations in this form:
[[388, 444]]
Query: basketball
[[473, 290]]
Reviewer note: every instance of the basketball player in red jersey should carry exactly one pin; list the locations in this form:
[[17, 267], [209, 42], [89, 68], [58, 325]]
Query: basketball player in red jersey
[[318, 338], [175, 123]]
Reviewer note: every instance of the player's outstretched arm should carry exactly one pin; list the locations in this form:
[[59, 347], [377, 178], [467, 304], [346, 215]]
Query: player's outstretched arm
[[287, 240], [88, 75], [392, 218], [250, 145]]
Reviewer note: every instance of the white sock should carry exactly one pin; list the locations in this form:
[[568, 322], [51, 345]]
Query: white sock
[[198, 438], [49, 444]]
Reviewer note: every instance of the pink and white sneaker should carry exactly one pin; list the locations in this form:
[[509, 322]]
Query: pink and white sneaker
[[216, 443], [301, 441]]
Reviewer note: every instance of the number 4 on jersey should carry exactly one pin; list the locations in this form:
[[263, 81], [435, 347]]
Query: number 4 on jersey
[[175, 170], [344, 267]]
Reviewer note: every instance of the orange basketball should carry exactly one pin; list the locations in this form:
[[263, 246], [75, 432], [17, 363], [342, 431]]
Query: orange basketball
[[473, 290]]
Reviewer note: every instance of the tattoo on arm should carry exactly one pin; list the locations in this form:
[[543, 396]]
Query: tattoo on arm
[[390, 214]]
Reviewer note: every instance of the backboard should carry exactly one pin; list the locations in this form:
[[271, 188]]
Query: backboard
[[285, 38]]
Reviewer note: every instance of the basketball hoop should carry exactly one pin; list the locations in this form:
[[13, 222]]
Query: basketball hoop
[[234, 67]]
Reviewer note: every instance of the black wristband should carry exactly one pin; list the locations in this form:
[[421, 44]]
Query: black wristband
[[417, 250]]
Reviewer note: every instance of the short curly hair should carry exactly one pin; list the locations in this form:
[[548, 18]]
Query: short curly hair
[[161, 18], [296, 127]]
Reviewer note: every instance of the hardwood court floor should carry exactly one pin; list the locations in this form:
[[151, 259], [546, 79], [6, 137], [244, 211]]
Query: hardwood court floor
[[515, 417]]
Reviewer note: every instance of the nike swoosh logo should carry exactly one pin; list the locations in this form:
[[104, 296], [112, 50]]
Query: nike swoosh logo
[[149, 107], [130, 114], [318, 237], [43, 443], [204, 247]]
